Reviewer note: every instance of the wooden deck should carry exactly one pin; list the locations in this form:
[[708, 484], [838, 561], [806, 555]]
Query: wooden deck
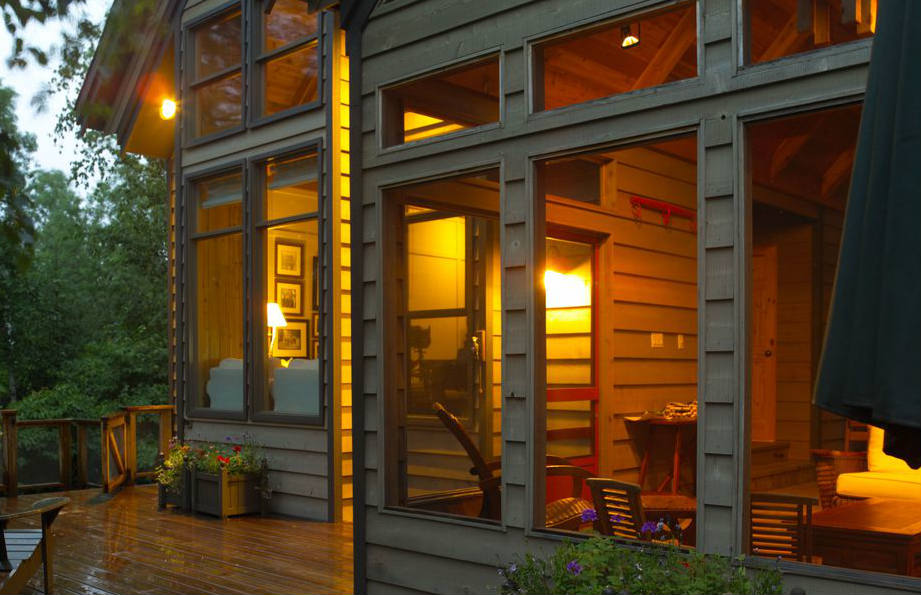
[[121, 544]]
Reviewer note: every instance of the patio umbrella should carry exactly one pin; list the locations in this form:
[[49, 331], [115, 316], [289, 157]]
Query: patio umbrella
[[871, 359]]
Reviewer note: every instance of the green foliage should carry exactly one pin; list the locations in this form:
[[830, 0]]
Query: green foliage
[[601, 565], [17, 14]]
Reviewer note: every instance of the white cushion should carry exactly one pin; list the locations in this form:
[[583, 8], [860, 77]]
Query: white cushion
[[231, 363], [877, 460], [880, 484]]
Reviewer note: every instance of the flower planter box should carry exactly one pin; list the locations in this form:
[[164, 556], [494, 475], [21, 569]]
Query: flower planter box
[[181, 498], [225, 495]]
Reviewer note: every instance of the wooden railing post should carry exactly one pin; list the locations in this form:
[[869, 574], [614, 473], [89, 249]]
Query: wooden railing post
[[104, 430], [131, 447], [10, 453], [166, 430], [82, 455], [65, 449]]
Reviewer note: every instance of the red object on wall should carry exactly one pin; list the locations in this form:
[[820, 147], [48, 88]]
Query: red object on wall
[[667, 209]]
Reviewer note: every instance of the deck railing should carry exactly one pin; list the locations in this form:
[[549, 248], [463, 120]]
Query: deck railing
[[118, 448]]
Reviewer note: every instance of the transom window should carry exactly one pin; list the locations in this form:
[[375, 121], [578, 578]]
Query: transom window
[[284, 73]]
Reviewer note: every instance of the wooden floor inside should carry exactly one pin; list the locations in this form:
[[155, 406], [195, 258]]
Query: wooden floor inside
[[122, 544]]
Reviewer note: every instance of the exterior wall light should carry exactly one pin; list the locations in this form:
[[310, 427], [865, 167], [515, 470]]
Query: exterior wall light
[[168, 109], [629, 38]]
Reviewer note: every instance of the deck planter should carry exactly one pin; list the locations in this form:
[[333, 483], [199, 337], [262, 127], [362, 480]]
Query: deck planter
[[225, 494], [181, 498]]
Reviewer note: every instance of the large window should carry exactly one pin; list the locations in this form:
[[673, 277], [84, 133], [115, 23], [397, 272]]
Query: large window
[[615, 57], [217, 75], [821, 488], [288, 57], [290, 268], [778, 28], [284, 329], [620, 298], [444, 324], [217, 259], [453, 99]]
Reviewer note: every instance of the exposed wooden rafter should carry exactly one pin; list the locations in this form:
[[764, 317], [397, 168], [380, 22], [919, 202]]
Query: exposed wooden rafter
[[837, 173], [682, 37]]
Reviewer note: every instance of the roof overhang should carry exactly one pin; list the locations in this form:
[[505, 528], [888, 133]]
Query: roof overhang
[[131, 73]]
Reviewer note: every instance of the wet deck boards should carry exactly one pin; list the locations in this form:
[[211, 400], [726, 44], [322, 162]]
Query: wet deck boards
[[122, 544]]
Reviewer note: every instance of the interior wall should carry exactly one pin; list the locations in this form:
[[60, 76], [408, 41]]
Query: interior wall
[[830, 225], [794, 353]]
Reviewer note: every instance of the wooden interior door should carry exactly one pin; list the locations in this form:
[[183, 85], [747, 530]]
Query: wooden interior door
[[764, 343]]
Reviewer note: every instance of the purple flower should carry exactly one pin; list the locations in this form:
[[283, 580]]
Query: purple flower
[[589, 514], [574, 567], [648, 527]]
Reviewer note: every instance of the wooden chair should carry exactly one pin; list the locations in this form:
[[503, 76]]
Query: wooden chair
[[781, 526], [856, 436], [29, 548], [618, 505], [561, 514]]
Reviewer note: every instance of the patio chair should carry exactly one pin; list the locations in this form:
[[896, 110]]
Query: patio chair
[[565, 513], [28, 548], [621, 513], [781, 526]]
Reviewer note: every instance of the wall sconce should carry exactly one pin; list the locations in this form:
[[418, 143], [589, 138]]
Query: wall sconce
[[629, 37], [168, 109]]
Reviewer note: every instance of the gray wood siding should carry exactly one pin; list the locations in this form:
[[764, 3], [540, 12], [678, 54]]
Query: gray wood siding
[[408, 553]]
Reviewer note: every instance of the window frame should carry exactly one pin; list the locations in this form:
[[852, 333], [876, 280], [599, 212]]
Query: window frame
[[470, 59], [252, 292], [190, 87], [257, 59], [193, 408], [258, 226], [535, 72]]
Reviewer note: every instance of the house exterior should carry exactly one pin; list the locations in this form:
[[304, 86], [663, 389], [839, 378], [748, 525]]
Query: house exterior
[[592, 235]]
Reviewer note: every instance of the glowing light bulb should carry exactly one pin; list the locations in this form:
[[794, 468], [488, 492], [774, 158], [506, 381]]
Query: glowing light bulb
[[168, 109], [629, 41], [566, 291]]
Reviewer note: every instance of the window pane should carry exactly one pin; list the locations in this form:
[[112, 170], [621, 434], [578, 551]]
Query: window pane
[[568, 282], [218, 45], [291, 371], [620, 284], [219, 105], [219, 322], [287, 22], [220, 201], [437, 263], [778, 29], [804, 459], [291, 186], [446, 342], [458, 98], [291, 80], [617, 57]]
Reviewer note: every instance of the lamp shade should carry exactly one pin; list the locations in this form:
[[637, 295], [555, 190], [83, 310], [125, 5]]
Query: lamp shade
[[273, 316]]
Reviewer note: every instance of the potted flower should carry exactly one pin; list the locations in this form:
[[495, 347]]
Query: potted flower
[[228, 481], [172, 476]]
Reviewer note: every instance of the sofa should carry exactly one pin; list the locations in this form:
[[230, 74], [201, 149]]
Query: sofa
[[225, 385], [885, 477], [296, 389]]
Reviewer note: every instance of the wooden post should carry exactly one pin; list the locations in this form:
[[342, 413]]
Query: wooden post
[[104, 452], [166, 429], [10, 453], [65, 450], [131, 452]]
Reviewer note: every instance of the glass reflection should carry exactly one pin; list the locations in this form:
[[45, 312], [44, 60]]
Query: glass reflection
[[287, 22], [219, 202], [218, 45], [219, 105], [291, 80]]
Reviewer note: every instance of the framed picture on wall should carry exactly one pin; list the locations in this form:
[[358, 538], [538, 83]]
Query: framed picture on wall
[[289, 295], [293, 340], [289, 258]]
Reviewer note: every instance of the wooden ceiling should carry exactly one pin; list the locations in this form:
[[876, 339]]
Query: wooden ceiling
[[809, 156]]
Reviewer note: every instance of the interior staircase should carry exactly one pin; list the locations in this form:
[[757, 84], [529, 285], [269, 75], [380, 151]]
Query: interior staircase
[[771, 467]]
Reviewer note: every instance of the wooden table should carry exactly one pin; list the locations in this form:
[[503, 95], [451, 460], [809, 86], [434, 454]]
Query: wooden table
[[677, 425], [874, 534], [676, 506]]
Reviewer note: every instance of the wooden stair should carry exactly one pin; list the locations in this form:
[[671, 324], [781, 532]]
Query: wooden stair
[[771, 467]]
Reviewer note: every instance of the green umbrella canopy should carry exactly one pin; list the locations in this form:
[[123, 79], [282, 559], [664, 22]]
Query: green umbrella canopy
[[871, 360]]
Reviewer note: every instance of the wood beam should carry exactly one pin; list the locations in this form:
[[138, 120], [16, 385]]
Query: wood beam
[[837, 173], [786, 151], [451, 103], [821, 22], [669, 54]]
